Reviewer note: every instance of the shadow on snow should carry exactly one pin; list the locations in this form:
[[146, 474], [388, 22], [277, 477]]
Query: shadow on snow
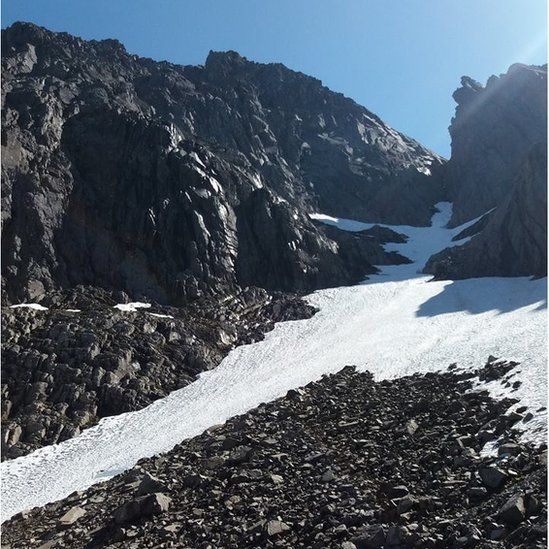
[[479, 295]]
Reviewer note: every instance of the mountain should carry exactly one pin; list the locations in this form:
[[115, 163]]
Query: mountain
[[513, 242], [163, 218], [189, 187], [172, 182], [494, 129], [498, 170]]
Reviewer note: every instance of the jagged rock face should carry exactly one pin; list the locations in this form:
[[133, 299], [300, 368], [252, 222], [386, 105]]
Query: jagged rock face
[[349, 162], [171, 182], [494, 129], [514, 240]]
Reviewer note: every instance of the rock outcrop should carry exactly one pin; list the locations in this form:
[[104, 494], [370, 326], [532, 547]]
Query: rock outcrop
[[177, 182], [498, 170], [494, 129], [514, 240], [345, 462]]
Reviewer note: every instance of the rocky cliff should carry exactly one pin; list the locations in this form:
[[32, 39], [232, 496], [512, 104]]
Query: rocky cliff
[[499, 165], [494, 128], [174, 182], [514, 240]]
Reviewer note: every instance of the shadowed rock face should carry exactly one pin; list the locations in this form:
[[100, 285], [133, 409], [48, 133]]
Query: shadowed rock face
[[514, 241], [175, 182], [494, 128]]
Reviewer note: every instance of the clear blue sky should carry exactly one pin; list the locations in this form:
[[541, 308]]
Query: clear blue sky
[[400, 58]]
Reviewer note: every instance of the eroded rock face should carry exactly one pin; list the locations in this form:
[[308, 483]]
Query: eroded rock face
[[498, 168], [174, 182], [494, 129], [514, 240]]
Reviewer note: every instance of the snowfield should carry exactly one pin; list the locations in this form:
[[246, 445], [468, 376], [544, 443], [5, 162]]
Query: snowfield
[[393, 324]]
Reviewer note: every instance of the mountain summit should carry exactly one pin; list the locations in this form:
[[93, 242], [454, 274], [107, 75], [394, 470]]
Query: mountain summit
[[171, 182]]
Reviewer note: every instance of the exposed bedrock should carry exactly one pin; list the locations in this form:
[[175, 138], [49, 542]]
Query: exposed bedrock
[[513, 242], [495, 127], [174, 182]]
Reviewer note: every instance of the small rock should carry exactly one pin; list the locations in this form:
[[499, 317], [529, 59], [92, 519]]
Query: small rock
[[411, 427], [328, 476], [399, 491], [239, 455], [371, 537], [477, 492], [72, 515], [493, 477], [144, 506], [276, 527], [509, 449], [405, 504], [513, 511], [150, 485]]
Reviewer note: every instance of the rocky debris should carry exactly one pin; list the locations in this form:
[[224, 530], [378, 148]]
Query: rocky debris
[[513, 241], [509, 449], [276, 527], [62, 371], [72, 515], [216, 166], [150, 484], [142, 507], [494, 129], [493, 477], [513, 511], [328, 465]]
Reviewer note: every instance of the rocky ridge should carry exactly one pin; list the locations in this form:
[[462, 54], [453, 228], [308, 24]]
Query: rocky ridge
[[177, 182], [498, 170], [344, 462], [494, 129]]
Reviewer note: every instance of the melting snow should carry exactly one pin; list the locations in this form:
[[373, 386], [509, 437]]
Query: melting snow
[[132, 307], [394, 324], [157, 315], [35, 306]]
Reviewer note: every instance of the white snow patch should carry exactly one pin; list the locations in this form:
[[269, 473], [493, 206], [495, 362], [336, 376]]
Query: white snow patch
[[132, 307], [35, 306], [158, 315], [343, 224], [394, 324], [73, 310]]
